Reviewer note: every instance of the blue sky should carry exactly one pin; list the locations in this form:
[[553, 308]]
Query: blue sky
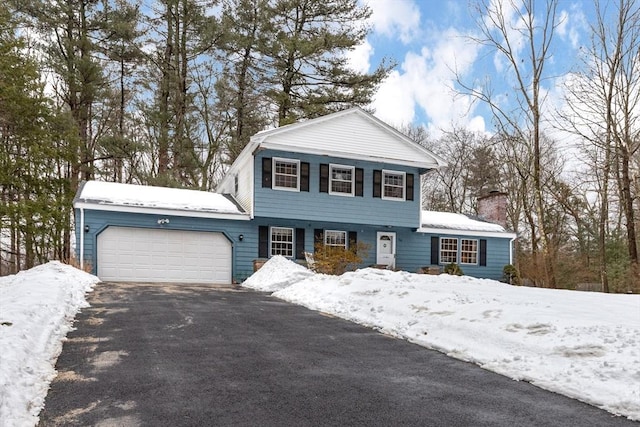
[[429, 38]]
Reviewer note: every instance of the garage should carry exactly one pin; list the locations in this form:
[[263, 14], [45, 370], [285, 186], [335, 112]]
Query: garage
[[159, 255]]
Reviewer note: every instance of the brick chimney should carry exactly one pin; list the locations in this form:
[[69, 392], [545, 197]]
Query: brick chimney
[[492, 207]]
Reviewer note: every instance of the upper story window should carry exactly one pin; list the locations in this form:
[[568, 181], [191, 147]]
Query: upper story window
[[448, 250], [335, 238], [286, 174], [393, 185], [282, 241], [342, 179], [468, 251]]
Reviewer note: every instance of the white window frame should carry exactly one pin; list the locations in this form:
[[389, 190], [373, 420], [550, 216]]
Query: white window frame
[[353, 180], [333, 245], [404, 184], [473, 253], [448, 250], [275, 160], [292, 243]]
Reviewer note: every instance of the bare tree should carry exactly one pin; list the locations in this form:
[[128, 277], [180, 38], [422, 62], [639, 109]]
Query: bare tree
[[603, 101], [522, 39]]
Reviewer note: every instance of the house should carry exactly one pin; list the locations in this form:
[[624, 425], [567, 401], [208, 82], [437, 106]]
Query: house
[[336, 180]]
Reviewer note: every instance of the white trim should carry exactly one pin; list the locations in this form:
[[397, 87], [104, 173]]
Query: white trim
[[404, 185], [344, 155], [468, 233], [273, 173], [293, 241], [394, 247], [259, 138], [457, 240], [160, 211], [477, 251], [353, 180], [346, 238]]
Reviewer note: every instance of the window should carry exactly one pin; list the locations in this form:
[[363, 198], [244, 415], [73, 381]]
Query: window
[[282, 241], [393, 185], [448, 250], [286, 174], [468, 251], [341, 179], [335, 238]]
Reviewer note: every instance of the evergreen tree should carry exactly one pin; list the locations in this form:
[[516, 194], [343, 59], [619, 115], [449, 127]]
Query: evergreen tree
[[305, 53]]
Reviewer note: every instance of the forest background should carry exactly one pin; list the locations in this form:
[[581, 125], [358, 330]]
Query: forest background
[[169, 92]]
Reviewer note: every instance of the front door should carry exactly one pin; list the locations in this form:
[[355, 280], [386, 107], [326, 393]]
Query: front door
[[386, 249]]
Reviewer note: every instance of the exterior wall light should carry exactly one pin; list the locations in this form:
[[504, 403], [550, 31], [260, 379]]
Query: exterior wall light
[[86, 228], [241, 237]]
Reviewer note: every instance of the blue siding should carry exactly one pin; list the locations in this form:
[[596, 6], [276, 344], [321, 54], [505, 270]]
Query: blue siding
[[244, 252], [498, 251], [413, 250], [316, 206]]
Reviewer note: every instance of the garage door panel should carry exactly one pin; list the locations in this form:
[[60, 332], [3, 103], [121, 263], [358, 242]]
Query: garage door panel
[[156, 255]]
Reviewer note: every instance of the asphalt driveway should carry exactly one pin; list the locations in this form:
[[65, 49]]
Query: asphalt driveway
[[176, 355]]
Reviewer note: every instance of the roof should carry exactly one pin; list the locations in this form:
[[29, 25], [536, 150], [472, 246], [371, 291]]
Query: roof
[[460, 224], [352, 133], [114, 196]]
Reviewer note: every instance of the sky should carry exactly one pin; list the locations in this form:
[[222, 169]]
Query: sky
[[430, 39]]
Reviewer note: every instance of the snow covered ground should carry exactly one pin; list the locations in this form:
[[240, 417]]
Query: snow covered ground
[[37, 308], [583, 345]]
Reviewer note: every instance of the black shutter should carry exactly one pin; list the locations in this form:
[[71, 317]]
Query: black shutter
[[324, 178], [483, 252], [409, 187], [359, 182], [318, 238], [263, 241], [377, 183], [353, 239], [266, 172], [304, 176], [435, 250], [299, 243]]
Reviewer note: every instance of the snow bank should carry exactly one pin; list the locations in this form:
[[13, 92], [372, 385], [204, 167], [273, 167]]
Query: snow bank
[[583, 345], [37, 308], [277, 273]]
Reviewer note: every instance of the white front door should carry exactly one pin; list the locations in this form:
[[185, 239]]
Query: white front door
[[386, 249]]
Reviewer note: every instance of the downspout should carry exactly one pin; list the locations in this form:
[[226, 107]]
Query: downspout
[[511, 249], [82, 238]]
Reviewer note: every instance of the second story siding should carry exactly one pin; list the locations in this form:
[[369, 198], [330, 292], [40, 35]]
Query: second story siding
[[320, 190]]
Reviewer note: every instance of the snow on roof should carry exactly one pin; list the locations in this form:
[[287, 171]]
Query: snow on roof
[[456, 221], [146, 196]]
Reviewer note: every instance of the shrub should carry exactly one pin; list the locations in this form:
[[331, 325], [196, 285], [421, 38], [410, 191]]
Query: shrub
[[511, 275], [453, 269], [337, 260]]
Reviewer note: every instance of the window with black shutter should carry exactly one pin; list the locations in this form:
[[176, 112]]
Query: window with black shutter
[[435, 250], [266, 172], [324, 178], [377, 183]]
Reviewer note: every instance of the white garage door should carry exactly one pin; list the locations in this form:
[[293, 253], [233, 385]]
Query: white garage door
[[153, 255]]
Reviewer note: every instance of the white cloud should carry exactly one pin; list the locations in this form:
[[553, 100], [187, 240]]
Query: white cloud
[[359, 58], [426, 80], [394, 102], [571, 24], [395, 17]]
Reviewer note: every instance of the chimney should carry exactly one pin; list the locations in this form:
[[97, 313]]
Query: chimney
[[493, 208]]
